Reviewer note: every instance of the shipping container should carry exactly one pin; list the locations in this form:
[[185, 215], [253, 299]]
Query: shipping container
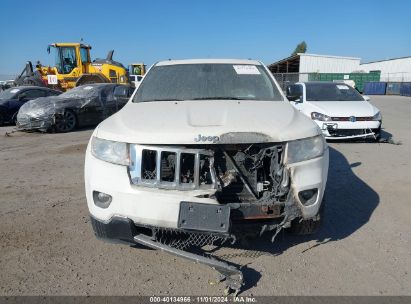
[[393, 88], [358, 78], [375, 88], [405, 89]]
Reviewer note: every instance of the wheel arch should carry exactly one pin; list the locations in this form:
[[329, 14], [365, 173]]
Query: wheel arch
[[62, 111]]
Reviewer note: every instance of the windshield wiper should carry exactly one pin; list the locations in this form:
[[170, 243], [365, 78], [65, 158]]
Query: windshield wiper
[[164, 99], [220, 98]]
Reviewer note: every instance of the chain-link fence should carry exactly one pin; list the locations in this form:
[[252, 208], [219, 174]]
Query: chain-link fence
[[285, 79]]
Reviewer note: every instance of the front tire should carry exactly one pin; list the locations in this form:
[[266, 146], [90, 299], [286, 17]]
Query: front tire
[[65, 122], [14, 119], [2, 119]]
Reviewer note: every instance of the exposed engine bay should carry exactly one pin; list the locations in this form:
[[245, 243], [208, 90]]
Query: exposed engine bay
[[237, 173], [249, 180], [250, 174]]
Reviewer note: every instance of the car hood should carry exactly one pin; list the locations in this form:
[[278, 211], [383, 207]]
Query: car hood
[[49, 105], [345, 108], [170, 122]]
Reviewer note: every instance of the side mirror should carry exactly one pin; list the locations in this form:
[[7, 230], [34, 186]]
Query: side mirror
[[366, 97], [22, 97], [295, 98]]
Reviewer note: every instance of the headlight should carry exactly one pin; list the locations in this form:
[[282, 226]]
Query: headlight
[[377, 116], [110, 151], [304, 149], [320, 117]]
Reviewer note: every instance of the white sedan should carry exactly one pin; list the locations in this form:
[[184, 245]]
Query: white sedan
[[338, 109]]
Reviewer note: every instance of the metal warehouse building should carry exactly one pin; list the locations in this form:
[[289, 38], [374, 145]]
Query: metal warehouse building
[[395, 69], [313, 63], [391, 70]]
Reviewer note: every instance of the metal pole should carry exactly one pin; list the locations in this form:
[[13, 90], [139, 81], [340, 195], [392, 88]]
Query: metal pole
[[233, 276]]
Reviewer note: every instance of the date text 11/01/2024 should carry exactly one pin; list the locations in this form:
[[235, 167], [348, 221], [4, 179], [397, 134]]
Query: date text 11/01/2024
[[202, 299]]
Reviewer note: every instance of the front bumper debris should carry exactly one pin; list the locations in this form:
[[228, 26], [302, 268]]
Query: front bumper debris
[[176, 242], [332, 131], [232, 276], [367, 135]]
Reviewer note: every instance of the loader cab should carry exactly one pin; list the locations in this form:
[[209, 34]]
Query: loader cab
[[137, 69], [70, 56]]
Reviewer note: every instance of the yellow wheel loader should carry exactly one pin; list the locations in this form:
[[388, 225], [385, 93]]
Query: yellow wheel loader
[[73, 67], [137, 69]]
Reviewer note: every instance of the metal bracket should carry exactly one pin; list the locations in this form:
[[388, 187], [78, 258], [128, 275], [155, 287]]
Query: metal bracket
[[232, 276]]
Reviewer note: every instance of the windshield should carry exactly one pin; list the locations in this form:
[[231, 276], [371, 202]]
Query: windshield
[[81, 92], [207, 81], [9, 93], [331, 92], [65, 59]]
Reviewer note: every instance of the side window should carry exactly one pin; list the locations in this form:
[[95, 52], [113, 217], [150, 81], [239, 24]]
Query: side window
[[84, 55], [110, 94], [32, 94], [121, 91], [107, 95]]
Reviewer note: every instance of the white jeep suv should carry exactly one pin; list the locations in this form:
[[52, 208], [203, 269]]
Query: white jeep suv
[[204, 151]]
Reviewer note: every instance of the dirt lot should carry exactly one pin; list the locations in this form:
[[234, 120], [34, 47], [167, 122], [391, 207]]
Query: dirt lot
[[364, 247]]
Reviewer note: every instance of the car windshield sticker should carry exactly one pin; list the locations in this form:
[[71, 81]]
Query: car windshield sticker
[[88, 88], [14, 91], [246, 69], [342, 87]]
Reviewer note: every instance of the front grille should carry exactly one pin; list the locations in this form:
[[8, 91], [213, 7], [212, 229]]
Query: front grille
[[172, 167], [365, 118], [184, 240], [350, 132]]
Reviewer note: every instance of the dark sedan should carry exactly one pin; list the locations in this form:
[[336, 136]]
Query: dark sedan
[[85, 105], [13, 98]]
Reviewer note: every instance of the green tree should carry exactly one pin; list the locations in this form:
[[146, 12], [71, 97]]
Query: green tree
[[300, 48]]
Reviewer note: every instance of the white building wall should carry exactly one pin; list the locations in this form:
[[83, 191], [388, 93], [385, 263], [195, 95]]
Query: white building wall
[[311, 63], [391, 70]]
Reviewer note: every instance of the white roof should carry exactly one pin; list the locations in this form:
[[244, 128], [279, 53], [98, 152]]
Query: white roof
[[328, 56], [196, 61]]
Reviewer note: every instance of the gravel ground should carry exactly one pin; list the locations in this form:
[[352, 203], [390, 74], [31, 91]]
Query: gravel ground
[[47, 246]]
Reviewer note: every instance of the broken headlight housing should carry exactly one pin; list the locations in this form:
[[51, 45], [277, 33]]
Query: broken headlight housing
[[305, 149], [320, 116], [110, 151]]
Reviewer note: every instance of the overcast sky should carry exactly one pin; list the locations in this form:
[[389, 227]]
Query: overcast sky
[[148, 31]]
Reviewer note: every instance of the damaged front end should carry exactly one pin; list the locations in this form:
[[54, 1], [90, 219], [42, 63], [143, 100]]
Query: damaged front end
[[27, 122], [250, 181], [246, 188], [181, 198], [37, 114]]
